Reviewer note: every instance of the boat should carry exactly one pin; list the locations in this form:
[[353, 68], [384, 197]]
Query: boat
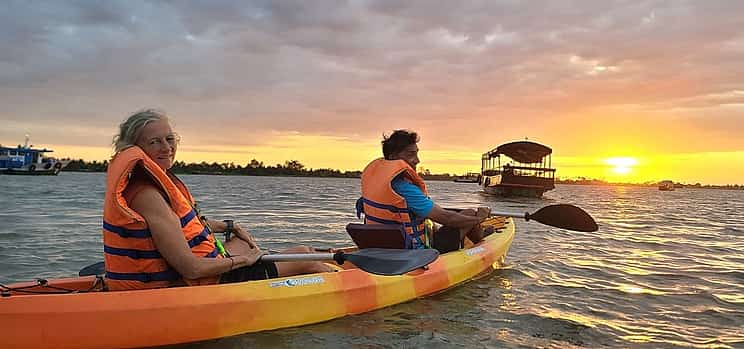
[[525, 171], [666, 185], [470, 177], [92, 318], [26, 160]]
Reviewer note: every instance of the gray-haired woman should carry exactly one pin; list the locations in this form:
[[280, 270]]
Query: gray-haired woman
[[153, 235]]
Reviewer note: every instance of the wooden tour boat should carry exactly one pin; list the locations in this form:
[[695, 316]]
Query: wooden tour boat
[[525, 171]]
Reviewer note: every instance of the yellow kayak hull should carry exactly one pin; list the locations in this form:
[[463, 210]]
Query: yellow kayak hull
[[143, 318]]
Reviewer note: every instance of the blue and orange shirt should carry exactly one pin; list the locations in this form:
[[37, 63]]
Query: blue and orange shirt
[[382, 204]]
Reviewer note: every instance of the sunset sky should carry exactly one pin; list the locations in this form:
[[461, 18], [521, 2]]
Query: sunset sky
[[628, 91]]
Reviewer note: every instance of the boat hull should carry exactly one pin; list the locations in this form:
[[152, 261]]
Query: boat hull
[[525, 186], [26, 172], [143, 318], [458, 180], [507, 191]]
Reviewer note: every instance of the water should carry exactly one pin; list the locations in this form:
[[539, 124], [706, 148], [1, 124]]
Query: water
[[666, 269]]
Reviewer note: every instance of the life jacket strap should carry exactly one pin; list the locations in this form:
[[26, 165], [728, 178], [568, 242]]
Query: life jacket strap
[[390, 208], [166, 275], [127, 233]]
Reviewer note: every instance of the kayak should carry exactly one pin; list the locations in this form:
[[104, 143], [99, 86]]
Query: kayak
[[92, 318]]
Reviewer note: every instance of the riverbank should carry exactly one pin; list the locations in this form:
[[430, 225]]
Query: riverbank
[[648, 184], [294, 168]]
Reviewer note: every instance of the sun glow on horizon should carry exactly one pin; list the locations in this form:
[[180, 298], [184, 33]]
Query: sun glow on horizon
[[341, 154], [621, 165]]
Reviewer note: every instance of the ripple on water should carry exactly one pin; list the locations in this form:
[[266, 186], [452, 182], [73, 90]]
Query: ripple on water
[[730, 230]]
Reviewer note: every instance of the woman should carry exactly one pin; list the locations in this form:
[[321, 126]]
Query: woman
[[152, 234]]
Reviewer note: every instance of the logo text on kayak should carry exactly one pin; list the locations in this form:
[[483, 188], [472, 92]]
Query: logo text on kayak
[[475, 250], [298, 282]]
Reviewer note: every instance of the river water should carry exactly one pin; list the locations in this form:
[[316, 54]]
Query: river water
[[665, 270]]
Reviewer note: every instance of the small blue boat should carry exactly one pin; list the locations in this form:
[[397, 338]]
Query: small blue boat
[[25, 160]]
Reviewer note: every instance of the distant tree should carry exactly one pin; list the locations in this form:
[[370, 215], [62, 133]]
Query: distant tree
[[255, 164], [294, 165]]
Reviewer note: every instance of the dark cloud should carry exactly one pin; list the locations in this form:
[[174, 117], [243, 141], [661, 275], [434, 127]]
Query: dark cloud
[[357, 67]]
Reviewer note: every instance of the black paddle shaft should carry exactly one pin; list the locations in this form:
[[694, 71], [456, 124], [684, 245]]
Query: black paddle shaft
[[562, 216], [380, 261]]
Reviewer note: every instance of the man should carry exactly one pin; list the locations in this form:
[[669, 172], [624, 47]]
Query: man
[[393, 193]]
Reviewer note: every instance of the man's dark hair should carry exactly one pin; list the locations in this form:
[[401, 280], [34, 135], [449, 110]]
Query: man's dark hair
[[397, 141]]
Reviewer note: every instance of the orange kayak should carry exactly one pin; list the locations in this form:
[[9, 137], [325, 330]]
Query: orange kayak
[[91, 318]]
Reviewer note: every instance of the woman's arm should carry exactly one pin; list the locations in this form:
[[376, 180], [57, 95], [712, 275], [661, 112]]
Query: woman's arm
[[221, 226], [166, 232]]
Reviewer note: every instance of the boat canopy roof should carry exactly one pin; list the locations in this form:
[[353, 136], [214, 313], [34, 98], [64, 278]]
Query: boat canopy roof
[[25, 149], [521, 151]]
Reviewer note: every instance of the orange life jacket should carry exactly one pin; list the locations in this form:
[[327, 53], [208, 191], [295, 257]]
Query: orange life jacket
[[131, 258], [382, 205]]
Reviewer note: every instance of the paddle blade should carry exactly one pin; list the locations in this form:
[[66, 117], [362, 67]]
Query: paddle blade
[[383, 261], [93, 269], [565, 216]]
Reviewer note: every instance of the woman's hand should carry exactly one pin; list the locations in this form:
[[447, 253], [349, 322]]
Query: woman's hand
[[243, 234], [242, 253], [238, 231], [249, 257]]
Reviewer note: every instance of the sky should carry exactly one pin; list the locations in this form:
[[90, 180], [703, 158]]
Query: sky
[[629, 91]]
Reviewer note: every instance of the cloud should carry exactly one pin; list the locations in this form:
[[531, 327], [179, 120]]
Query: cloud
[[448, 69]]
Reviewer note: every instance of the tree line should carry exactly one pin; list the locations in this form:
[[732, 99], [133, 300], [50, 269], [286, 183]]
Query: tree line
[[252, 168], [588, 181], [296, 168]]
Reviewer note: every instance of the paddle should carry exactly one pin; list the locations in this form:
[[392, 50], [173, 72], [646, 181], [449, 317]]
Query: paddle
[[93, 269], [380, 261], [562, 216]]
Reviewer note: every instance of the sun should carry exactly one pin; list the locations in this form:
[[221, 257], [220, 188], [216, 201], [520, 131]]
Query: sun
[[621, 165]]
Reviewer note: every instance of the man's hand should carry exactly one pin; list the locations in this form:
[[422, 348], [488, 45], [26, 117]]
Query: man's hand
[[483, 213], [464, 219]]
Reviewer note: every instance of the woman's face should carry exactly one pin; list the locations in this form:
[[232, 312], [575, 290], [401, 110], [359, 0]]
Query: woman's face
[[159, 142]]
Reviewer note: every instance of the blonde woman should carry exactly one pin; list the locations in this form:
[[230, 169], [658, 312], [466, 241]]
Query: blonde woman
[[154, 237]]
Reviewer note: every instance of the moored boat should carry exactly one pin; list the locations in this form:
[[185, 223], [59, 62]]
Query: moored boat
[[469, 177], [26, 160], [91, 318], [666, 185], [526, 170]]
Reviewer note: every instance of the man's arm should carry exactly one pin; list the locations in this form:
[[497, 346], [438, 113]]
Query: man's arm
[[423, 206], [455, 219]]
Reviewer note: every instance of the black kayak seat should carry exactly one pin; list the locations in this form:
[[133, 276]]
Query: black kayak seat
[[377, 235]]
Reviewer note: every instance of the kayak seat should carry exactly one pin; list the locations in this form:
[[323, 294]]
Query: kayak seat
[[377, 235]]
